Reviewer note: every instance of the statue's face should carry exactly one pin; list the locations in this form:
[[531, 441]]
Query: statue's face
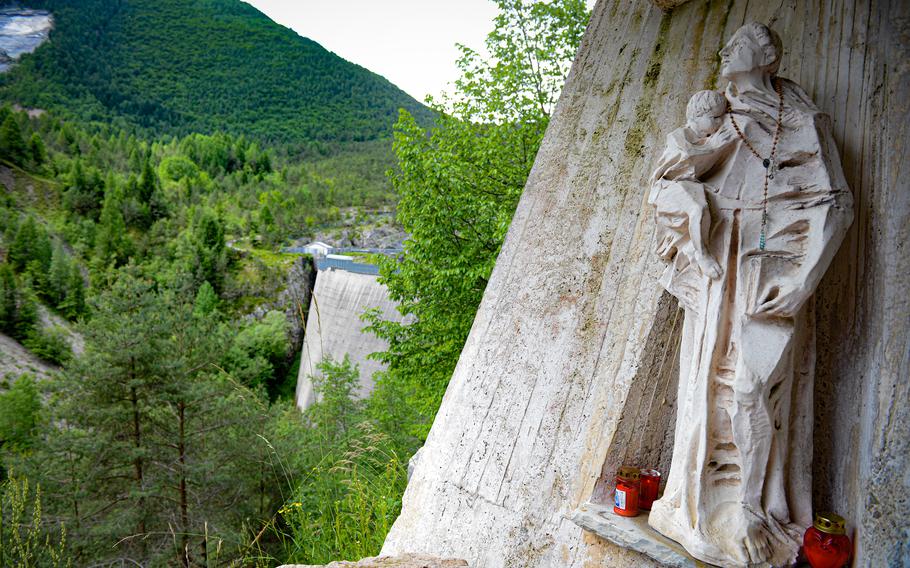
[[740, 55]]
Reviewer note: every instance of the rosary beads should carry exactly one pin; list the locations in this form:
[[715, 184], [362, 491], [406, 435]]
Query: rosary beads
[[768, 162]]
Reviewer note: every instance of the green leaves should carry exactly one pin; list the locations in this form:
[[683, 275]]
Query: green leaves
[[19, 408], [12, 146], [459, 183]]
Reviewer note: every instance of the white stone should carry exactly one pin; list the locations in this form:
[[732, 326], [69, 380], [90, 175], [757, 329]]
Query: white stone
[[633, 533], [399, 561], [739, 488]]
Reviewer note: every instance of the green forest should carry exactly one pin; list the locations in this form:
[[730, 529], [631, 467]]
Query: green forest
[[143, 213], [177, 67]]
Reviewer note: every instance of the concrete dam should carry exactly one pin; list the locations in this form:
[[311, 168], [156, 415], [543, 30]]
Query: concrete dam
[[334, 328]]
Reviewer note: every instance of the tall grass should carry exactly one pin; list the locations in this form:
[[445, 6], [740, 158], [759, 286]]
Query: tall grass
[[345, 479], [345, 506], [24, 543]]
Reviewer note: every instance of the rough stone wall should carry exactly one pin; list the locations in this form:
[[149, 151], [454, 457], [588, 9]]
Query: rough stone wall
[[569, 364], [334, 327]]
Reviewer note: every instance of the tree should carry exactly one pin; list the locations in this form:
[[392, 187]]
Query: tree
[[12, 146], [36, 150], [31, 243], [19, 408], [258, 351], [85, 190], [58, 276], [73, 305], [18, 313], [459, 182], [9, 299], [145, 442], [336, 384], [112, 243], [116, 384], [205, 253], [206, 303]]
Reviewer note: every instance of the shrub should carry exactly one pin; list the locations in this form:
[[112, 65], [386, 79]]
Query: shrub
[[50, 344]]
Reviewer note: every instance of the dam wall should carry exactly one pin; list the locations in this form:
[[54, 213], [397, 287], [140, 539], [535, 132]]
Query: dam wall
[[334, 328]]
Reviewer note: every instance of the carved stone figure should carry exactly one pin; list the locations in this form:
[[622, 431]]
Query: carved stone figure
[[751, 207]]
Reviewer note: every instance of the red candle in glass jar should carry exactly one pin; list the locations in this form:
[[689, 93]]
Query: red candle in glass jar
[[625, 498], [650, 483], [825, 543]]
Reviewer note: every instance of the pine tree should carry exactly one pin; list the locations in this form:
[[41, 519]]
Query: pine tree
[[73, 304], [36, 150], [30, 252], [26, 314], [9, 299], [85, 190], [148, 182], [111, 391], [147, 444], [12, 146], [58, 276], [206, 303], [112, 244], [210, 258], [19, 407], [22, 249]]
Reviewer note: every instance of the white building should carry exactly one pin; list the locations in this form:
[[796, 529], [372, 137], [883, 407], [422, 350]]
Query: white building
[[317, 248]]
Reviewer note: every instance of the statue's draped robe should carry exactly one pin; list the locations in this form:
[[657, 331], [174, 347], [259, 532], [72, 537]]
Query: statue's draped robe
[[744, 420]]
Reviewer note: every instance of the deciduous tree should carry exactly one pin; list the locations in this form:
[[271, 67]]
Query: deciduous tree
[[459, 183]]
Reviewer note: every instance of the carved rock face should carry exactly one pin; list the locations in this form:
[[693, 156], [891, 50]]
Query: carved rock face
[[739, 56], [753, 48]]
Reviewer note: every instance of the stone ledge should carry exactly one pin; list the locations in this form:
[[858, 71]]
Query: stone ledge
[[398, 561], [635, 534]]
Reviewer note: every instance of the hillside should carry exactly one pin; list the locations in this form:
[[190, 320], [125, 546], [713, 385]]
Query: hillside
[[179, 66]]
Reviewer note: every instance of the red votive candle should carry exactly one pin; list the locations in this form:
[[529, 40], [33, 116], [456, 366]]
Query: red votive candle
[[826, 543], [625, 498], [650, 483]]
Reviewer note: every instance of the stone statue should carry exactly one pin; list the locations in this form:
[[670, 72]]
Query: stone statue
[[751, 206]]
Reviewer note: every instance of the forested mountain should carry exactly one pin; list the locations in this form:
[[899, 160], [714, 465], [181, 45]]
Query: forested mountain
[[181, 66]]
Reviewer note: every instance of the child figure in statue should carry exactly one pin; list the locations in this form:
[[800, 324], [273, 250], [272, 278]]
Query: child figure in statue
[[691, 150]]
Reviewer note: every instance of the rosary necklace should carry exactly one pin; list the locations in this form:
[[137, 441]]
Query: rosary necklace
[[768, 162]]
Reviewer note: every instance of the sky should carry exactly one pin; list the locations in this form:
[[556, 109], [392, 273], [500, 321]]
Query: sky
[[409, 42]]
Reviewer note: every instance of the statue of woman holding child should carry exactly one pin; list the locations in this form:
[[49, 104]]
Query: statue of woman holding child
[[751, 207]]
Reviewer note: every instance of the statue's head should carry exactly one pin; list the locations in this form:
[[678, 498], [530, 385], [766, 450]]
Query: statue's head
[[754, 47]]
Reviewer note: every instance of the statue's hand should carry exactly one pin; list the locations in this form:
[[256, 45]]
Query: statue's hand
[[723, 136], [708, 266], [668, 245], [783, 302]]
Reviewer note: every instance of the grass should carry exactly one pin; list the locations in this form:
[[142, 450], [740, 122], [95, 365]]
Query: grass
[[347, 503]]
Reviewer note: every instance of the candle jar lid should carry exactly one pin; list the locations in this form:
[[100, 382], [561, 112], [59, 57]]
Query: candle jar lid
[[830, 523], [650, 473], [629, 473]]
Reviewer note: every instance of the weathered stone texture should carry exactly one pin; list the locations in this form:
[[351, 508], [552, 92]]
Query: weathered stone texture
[[568, 368]]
